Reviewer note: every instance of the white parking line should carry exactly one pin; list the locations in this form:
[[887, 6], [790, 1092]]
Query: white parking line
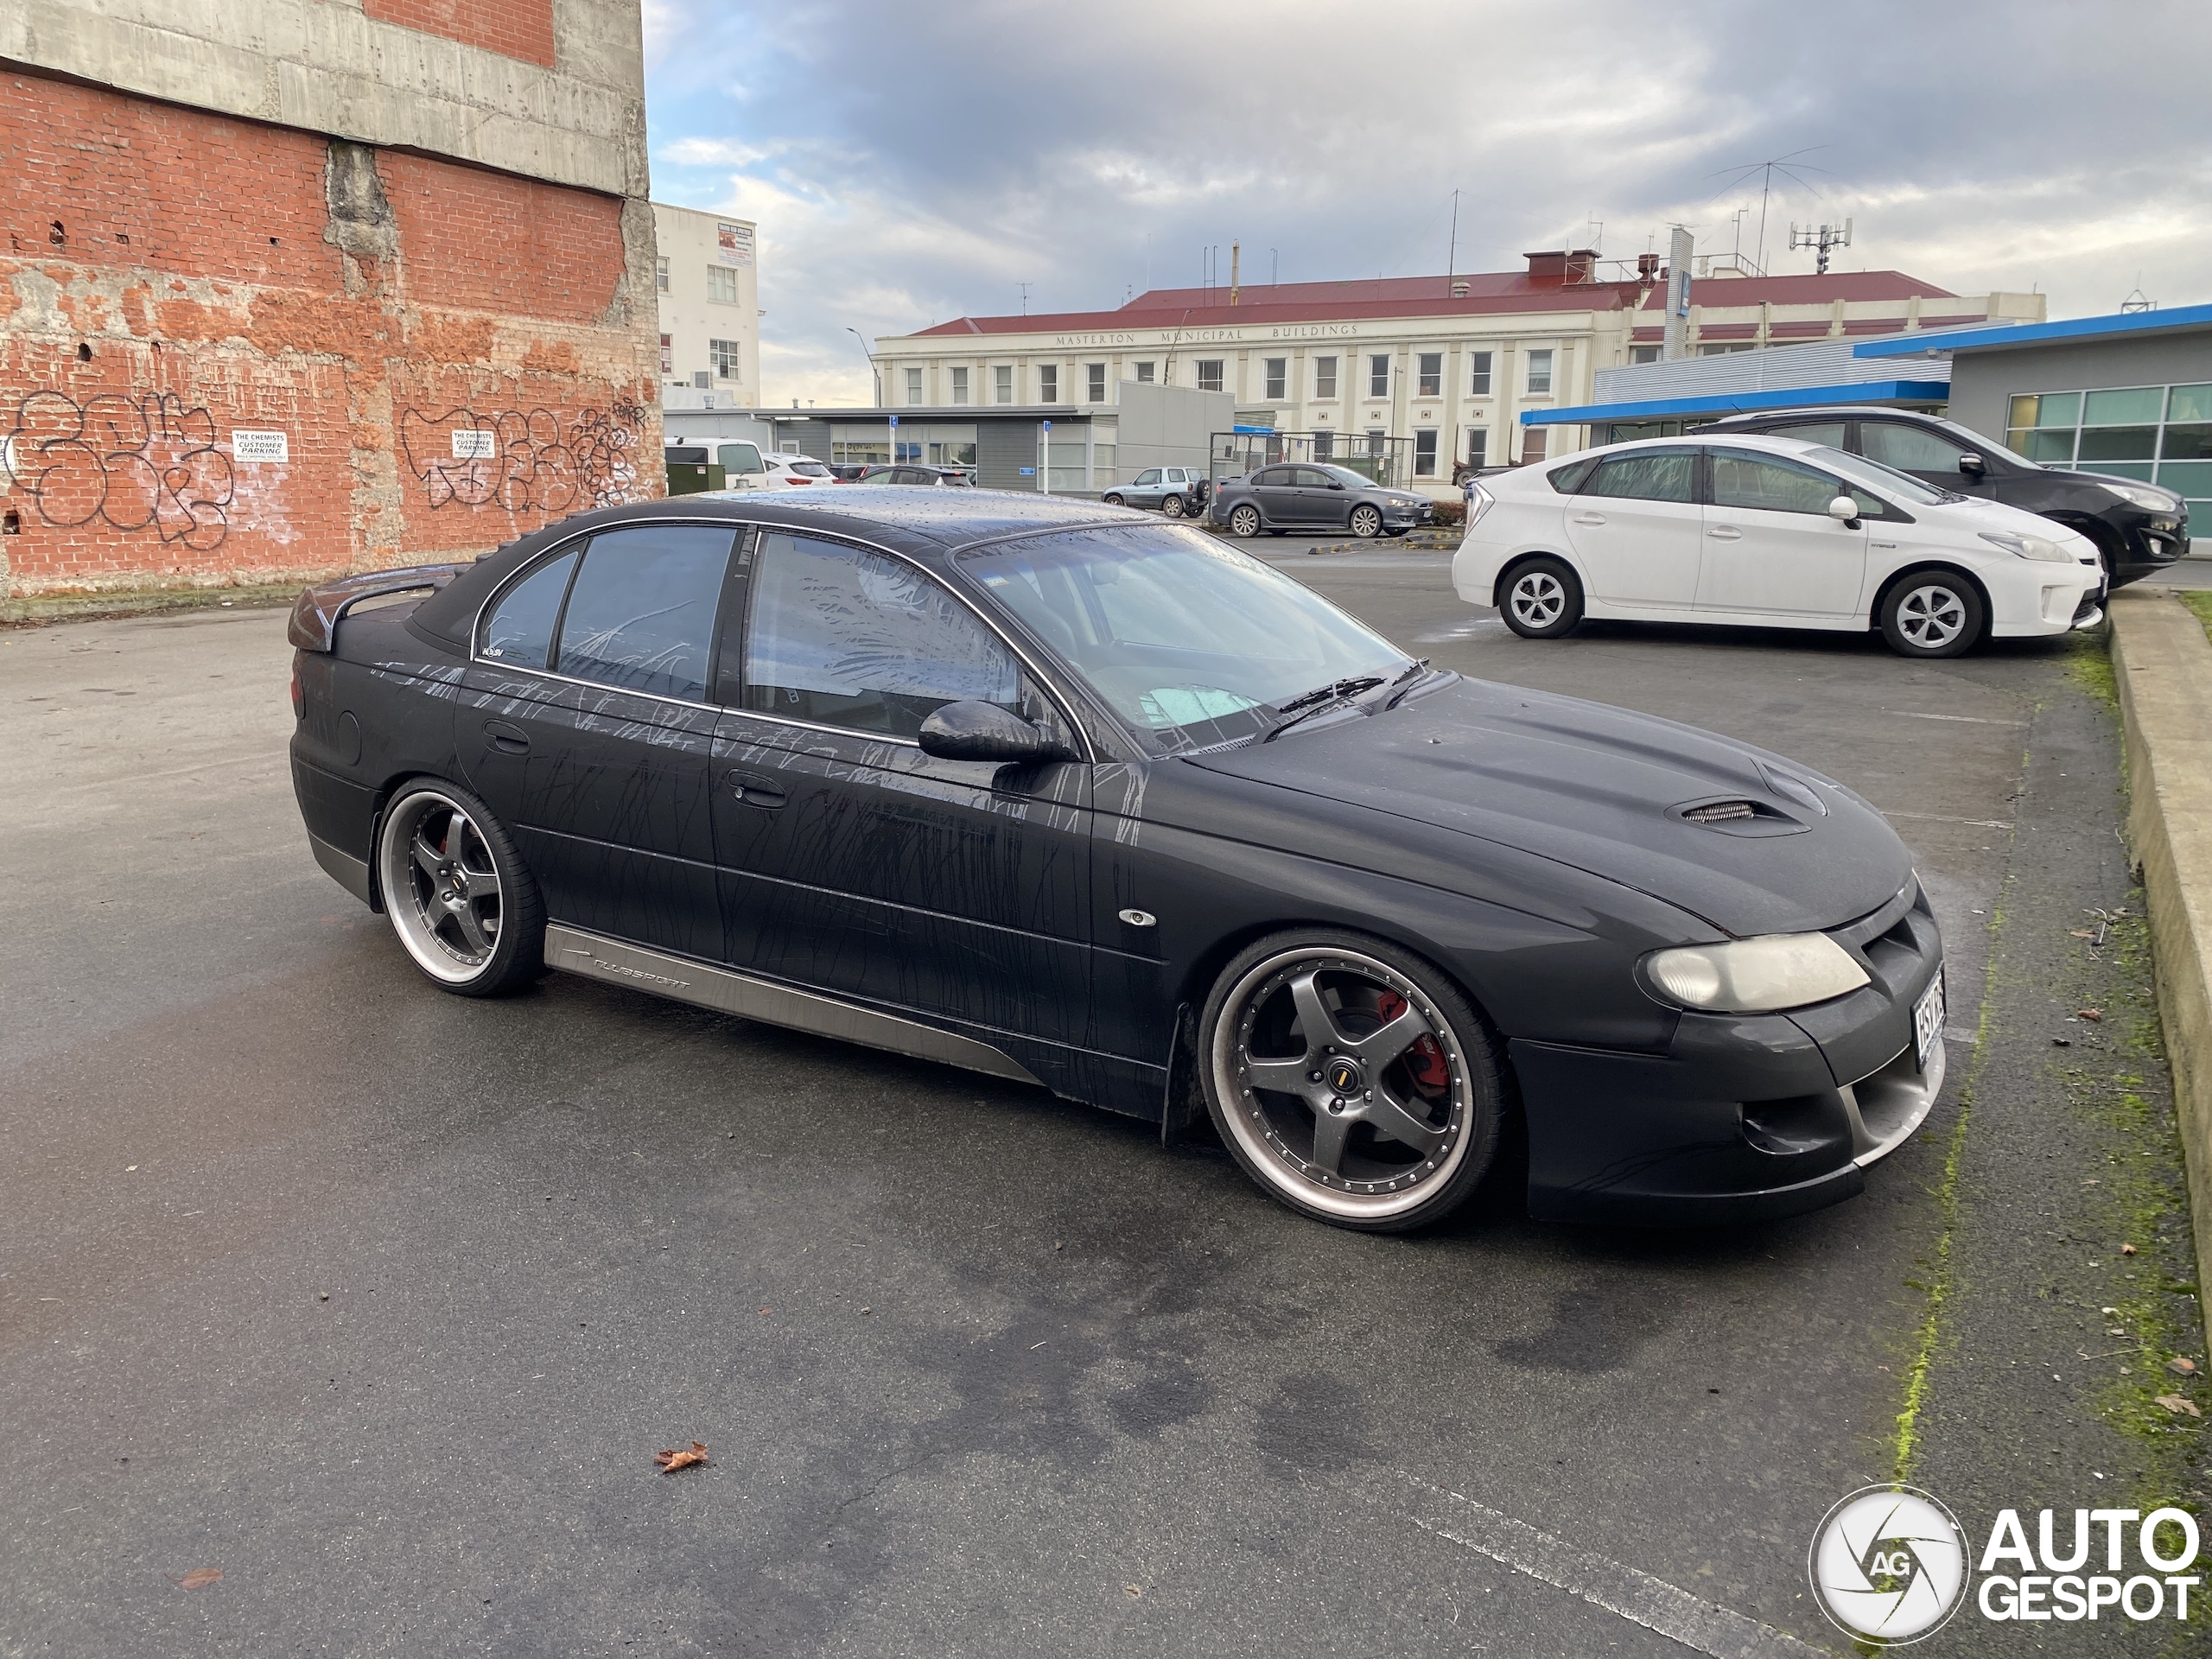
[[1697, 1624], [1971, 719], [1937, 818]]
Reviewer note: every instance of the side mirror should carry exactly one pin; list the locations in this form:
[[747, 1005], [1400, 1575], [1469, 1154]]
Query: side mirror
[[1335, 485], [1845, 511], [1973, 466], [983, 731]]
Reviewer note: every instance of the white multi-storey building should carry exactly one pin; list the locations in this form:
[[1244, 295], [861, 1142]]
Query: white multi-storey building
[[708, 279], [1448, 364]]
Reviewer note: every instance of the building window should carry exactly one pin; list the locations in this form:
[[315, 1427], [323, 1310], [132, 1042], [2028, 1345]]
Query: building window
[[1002, 383], [1378, 441], [721, 284], [701, 380], [1048, 383], [1477, 445], [960, 384], [913, 385], [1540, 374], [1277, 377], [1478, 385], [1424, 453], [1724, 347], [1644, 353], [1324, 441], [1094, 376], [724, 355], [667, 354], [1431, 385], [1378, 375], [1532, 445], [1144, 374], [1210, 374], [2160, 435], [660, 275], [1324, 376]]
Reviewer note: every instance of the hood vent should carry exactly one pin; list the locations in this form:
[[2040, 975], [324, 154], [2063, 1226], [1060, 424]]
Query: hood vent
[[1732, 815], [1720, 811]]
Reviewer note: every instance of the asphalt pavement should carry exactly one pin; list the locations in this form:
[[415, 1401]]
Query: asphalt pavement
[[380, 1301]]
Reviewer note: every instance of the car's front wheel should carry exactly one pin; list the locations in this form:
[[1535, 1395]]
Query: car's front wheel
[[1112, 497], [458, 895], [1350, 1079], [1172, 507], [1542, 600], [1244, 520], [1931, 613], [1366, 522]]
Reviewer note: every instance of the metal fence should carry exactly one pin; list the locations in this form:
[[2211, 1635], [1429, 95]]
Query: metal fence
[[1386, 461]]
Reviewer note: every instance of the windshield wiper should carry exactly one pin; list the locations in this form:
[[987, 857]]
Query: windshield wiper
[[1411, 668], [1309, 703]]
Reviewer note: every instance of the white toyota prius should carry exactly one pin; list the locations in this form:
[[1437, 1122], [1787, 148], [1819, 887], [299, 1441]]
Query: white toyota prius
[[1767, 533]]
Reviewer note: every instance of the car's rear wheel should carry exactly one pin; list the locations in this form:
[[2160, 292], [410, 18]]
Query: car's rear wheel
[[1366, 522], [458, 895], [1350, 1079], [1112, 497], [1543, 600], [1244, 520], [1172, 507], [1931, 613]]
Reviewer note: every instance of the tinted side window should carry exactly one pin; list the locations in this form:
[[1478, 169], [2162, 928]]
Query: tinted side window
[[1274, 477], [1647, 475], [1313, 477], [1741, 480], [846, 637], [520, 628], [1827, 432], [641, 616], [1908, 448]]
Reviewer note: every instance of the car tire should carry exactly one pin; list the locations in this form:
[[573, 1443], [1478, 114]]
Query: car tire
[[1244, 520], [1172, 507], [1388, 1117], [1112, 499], [464, 905], [1931, 613], [1366, 522], [1543, 600]]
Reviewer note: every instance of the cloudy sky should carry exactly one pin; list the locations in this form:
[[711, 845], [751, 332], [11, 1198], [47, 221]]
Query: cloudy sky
[[910, 164]]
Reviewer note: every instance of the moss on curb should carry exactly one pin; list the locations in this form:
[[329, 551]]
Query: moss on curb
[[40, 609]]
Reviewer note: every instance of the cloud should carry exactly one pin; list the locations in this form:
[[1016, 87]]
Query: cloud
[[907, 166]]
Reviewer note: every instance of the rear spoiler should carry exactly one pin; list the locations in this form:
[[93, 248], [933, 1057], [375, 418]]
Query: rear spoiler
[[315, 615]]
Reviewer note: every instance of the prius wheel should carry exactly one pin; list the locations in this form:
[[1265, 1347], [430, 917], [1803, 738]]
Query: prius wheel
[[1350, 1080], [457, 891], [1244, 521], [1367, 523], [1931, 613], [1172, 507], [1542, 600]]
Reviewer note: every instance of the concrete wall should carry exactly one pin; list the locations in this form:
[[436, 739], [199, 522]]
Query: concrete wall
[[1168, 426], [233, 350], [1982, 382]]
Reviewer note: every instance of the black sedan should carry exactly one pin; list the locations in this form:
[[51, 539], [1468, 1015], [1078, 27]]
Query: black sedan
[[1310, 496], [1074, 797]]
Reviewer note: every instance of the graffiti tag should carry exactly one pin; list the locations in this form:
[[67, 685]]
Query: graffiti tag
[[135, 461], [525, 460]]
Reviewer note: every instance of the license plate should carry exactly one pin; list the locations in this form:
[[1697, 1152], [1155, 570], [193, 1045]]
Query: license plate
[[1927, 1020]]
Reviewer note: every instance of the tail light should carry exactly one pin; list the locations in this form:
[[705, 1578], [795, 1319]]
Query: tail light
[[299, 696]]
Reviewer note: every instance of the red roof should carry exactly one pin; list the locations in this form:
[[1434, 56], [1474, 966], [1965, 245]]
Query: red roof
[[1489, 293]]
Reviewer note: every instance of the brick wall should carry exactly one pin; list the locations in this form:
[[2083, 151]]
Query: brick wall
[[170, 278], [516, 29]]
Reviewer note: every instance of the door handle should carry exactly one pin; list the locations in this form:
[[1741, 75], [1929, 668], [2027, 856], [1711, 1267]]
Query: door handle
[[756, 790], [1589, 517], [507, 738], [1726, 533]]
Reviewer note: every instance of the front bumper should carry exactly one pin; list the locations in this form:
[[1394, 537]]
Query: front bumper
[[1747, 1117], [2146, 550]]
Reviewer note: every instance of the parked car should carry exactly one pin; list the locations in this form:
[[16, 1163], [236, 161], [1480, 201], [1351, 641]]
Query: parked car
[[1315, 496], [848, 472], [1179, 492], [1109, 807], [791, 469], [1772, 532], [907, 471], [2137, 528]]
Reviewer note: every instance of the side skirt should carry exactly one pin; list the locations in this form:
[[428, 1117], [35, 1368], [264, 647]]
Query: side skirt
[[727, 991]]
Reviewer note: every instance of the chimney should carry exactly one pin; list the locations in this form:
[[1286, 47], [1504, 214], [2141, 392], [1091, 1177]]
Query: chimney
[[1548, 268], [1236, 250], [1647, 269]]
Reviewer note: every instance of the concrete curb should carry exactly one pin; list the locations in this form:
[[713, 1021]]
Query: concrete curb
[[2162, 663], [38, 609]]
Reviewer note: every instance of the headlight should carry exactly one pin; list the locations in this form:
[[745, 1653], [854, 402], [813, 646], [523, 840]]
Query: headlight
[[1480, 501], [2028, 546], [2142, 495], [1779, 970]]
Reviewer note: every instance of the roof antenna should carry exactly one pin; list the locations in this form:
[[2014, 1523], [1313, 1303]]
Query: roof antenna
[[1025, 287], [1451, 254]]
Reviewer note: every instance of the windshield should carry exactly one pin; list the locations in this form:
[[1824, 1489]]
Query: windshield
[[1887, 480], [1192, 642]]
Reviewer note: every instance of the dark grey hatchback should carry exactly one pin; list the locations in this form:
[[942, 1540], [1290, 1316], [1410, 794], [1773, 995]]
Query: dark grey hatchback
[[1082, 799], [1315, 496]]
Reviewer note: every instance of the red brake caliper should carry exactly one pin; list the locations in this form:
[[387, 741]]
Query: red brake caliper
[[1425, 1059]]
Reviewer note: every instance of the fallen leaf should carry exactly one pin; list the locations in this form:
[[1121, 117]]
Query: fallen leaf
[[2082, 932], [2089, 1014], [2062, 1042], [672, 1461], [1131, 1590], [2175, 1404], [2128, 1250], [200, 1578], [2181, 1367]]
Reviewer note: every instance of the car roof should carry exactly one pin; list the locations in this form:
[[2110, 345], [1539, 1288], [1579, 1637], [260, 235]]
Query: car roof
[[1824, 411], [1779, 445]]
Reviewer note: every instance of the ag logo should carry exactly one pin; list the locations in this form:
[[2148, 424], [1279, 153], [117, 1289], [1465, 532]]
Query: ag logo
[[1889, 1565]]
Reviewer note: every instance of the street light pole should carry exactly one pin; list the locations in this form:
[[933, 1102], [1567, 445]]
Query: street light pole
[[872, 374]]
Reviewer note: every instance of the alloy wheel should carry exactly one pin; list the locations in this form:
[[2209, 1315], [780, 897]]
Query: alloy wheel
[[1245, 521], [1342, 1081], [440, 886], [1931, 616], [1366, 523], [1536, 599], [1172, 507]]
